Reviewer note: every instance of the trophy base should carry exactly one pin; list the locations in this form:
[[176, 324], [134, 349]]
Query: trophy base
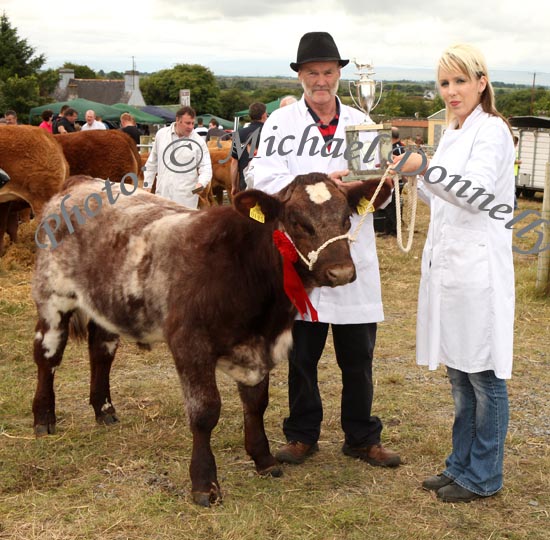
[[370, 149]]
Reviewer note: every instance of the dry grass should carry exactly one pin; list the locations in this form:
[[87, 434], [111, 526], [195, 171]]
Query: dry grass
[[131, 481]]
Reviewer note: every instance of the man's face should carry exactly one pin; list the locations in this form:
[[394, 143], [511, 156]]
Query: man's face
[[90, 117], [72, 118], [185, 125], [319, 81], [11, 120]]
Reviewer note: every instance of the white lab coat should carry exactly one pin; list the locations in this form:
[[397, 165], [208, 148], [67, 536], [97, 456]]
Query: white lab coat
[[466, 297], [357, 302], [178, 166]]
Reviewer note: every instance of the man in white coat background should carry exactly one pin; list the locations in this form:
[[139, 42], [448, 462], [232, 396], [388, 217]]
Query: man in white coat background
[[180, 159], [290, 145]]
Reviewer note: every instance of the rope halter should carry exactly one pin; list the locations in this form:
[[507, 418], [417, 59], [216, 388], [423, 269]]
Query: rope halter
[[312, 256]]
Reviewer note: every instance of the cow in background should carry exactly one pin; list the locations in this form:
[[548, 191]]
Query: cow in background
[[220, 155], [105, 154], [101, 154], [209, 283], [37, 169]]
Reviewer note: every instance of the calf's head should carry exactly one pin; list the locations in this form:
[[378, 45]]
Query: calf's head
[[313, 210]]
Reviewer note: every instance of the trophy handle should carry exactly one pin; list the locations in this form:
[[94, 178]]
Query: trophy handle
[[379, 97], [350, 83]]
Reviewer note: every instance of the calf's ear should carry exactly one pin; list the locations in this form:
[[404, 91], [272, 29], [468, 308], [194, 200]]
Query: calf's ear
[[257, 205], [366, 190]]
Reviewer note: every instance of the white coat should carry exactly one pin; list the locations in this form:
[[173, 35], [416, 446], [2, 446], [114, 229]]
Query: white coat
[[357, 302], [466, 298], [178, 166]]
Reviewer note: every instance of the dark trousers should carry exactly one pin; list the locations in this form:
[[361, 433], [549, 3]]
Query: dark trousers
[[354, 345]]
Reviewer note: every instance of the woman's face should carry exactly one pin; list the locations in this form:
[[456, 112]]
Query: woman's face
[[460, 93]]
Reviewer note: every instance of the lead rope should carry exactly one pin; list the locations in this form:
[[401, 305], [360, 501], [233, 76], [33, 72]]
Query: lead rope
[[312, 256], [413, 196]]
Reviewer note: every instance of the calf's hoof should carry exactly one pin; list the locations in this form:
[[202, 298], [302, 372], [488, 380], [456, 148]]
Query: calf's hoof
[[275, 471], [107, 419], [207, 498], [41, 430]]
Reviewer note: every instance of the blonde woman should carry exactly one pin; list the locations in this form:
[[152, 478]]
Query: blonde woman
[[466, 297]]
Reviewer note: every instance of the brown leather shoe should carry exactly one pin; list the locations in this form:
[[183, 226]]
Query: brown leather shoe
[[295, 452], [374, 454]]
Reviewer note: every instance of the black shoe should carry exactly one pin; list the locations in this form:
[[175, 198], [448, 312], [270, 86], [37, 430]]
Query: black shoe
[[455, 493], [433, 483]]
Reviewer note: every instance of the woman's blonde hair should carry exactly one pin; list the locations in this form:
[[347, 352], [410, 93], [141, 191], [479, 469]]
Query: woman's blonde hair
[[469, 61]]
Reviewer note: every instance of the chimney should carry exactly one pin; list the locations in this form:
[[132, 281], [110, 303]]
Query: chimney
[[65, 75], [72, 92], [131, 81]]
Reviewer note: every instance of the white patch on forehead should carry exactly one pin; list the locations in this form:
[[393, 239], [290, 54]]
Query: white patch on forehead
[[318, 193]]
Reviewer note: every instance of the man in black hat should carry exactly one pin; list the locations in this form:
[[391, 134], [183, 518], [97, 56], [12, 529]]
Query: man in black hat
[[310, 136]]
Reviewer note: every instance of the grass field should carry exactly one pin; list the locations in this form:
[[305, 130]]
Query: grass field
[[131, 481]]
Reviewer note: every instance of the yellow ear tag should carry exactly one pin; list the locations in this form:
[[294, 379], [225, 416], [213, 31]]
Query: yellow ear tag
[[257, 214], [364, 206]]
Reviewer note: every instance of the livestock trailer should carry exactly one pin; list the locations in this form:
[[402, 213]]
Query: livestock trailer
[[534, 152]]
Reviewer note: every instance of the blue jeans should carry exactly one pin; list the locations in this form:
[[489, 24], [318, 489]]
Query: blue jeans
[[479, 431]]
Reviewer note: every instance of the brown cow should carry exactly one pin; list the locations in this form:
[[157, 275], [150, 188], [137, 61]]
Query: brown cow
[[220, 155], [174, 278], [37, 170], [101, 154]]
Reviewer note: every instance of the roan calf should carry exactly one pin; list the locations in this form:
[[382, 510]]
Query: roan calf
[[209, 283]]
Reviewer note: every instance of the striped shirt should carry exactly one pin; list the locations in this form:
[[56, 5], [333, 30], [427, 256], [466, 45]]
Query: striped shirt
[[327, 130]]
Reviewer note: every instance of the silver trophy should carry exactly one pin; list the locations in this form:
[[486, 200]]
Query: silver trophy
[[371, 142], [364, 93]]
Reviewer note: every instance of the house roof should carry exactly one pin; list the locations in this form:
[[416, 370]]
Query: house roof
[[107, 91]]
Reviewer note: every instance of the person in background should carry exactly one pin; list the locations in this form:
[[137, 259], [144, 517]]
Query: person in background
[[92, 122], [57, 118], [201, 129], [47, 119], [214, 130], [66, 123], [466, 298], [128, 125], [240, 157], [11, 118], [351, 310], [180, 159]]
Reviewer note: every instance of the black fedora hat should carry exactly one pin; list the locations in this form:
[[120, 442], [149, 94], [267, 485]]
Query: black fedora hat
[[317, 47]]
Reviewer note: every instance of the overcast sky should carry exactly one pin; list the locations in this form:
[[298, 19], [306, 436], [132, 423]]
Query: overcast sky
[[260, 37]]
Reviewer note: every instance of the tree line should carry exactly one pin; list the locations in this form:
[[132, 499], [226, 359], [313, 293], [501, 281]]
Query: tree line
[[24, 85]]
